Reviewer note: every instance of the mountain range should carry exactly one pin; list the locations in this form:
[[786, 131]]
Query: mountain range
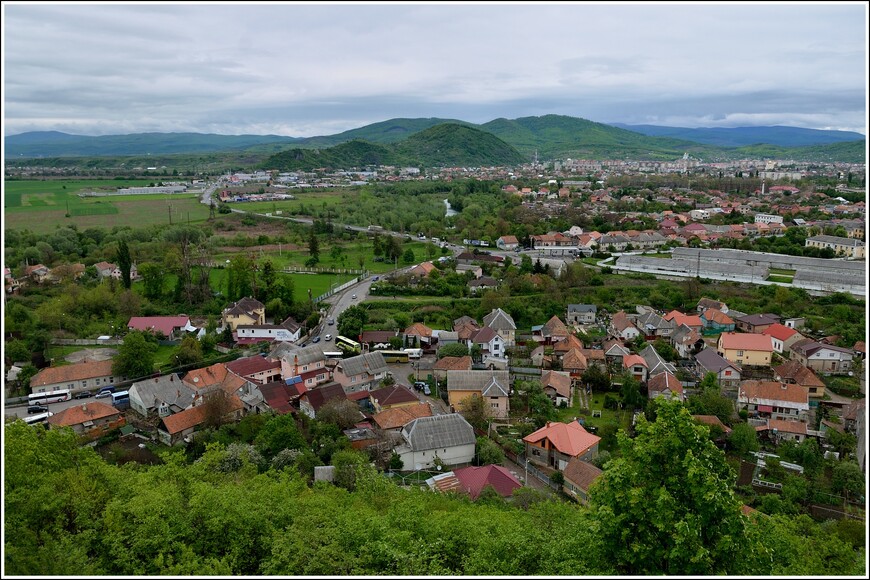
[[435, 141]]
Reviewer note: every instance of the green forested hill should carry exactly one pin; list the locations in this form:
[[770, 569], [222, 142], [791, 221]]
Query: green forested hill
[[848, 152], [447, 144], [390, 131], [665, 507]]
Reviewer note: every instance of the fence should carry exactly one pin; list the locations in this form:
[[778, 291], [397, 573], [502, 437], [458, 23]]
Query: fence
[[85, 341], [347, 284], [532, 470]]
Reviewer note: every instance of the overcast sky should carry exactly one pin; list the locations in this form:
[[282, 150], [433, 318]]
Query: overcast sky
[[318, 69]]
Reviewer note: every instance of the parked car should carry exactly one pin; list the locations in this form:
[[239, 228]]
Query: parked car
[[376, 278], [330, 322], [316, 340], [105, 392], [83, 395], [327, 337], [36, 409]]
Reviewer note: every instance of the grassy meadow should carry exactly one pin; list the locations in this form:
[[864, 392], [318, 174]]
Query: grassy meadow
[[42, 206]]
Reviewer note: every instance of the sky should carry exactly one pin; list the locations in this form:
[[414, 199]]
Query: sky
[[302, 70]]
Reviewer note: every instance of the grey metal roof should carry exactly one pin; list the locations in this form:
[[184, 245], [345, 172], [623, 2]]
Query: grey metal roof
[[498, 319], [371, 362], [582, 308], [167, 389], [438, 431], [713, 361], [294, 354], [490, 383]]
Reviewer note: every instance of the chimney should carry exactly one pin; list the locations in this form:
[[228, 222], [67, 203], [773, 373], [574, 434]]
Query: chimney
[[85, 407], [171, 378]]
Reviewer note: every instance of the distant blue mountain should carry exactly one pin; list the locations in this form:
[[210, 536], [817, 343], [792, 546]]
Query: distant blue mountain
[[742, 136]]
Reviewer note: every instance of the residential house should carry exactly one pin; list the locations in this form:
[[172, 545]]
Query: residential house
[[282, 397], [182, 427], [395, 418], [246, 312], [778, 430], [392, 397], [557, 386], [706, 303], [710, 361], [450, 363], [773, 400], [575, 362], [848, 247], [579, 477], [623, 328], [308, 362], [823, 358], [492, 385], [172, 327], [418, 335], [213, 377], [794, 372], [653, 326], [561, 348], [552, 332], [92, 419], [361, 372], [490, 342], [448, 437], [311, 401], [654, 361], [713, 422], [38, 273], [422, 270], [686, 341], [471, 481], [483, 283], [105, 269], [77, 377], [256, 369], [377, 339], [692, 321], [581, 314], [507, 243], [746, 349], [636, 367], [287, 331], [782, 337], [614, 352], [503, 323], [717, 321], [756, 323], [554, 444], [161, 396], [665, 384], [465, 330], [476, 271]]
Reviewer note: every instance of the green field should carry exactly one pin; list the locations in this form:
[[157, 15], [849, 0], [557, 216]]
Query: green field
[[42, 206]]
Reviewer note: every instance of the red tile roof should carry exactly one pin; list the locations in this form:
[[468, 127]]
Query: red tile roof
[[773, 391], [779, 331], [581, 473], [472, 480], [77, 415], [400, 416], [71, 373], [164, 324], [194, 416], [745, 341], [571, 438], [453, 363]]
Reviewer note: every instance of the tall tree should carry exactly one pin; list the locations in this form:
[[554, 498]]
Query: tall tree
[[125, 263], [666, 506], [135, 358]]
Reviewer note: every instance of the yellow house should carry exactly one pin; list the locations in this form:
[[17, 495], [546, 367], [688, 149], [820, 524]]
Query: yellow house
[[245, 312], [493, 386], [745, 348]]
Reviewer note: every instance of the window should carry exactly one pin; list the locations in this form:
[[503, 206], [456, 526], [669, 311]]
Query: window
[[739, 353], [494, 405], [727, 373], [98, 381]]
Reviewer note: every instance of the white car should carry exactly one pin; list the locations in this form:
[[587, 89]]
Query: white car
[[327, 337], [353, 297]]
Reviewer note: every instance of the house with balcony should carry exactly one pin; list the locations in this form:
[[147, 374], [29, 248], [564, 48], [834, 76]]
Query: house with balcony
[[503, 324], [288, 331], [773, 400], [823, 358]]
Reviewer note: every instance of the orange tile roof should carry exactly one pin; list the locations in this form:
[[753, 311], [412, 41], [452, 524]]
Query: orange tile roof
[[206, 377], [679, 318], [779, 331], [633, 359], [401, 416], [194, 416], [745, 341], [581, 473], [71, 373], [558, 381], [717, 316], [571, 438], [419, 329], [798, 427], [774, 391], [85, 412]]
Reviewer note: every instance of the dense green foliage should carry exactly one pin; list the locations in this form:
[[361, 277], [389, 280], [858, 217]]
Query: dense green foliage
[[242, 508], [442, 145]]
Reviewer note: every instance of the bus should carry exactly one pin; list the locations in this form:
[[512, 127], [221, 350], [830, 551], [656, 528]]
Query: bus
[[121, 399], [41, 418], [347, 345], [414, 352], [49, 397], [394, 356], [333, 354]]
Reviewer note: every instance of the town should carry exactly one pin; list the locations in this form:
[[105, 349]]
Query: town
[[563, 308]]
